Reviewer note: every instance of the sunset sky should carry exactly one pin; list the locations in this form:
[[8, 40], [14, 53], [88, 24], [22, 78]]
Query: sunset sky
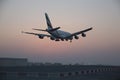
[[101, 46]]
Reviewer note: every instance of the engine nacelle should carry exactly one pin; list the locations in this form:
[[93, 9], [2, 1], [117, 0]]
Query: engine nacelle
[[66, 39], [76, 37], [62, 39], [41, 37], [83, 35], [52, 38]]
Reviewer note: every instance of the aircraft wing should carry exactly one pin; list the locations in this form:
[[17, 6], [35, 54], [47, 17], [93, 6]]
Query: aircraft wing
[[43, 35], [80, 32]]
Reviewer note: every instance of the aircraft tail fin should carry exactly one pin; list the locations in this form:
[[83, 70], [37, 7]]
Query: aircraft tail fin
[[48, 21]]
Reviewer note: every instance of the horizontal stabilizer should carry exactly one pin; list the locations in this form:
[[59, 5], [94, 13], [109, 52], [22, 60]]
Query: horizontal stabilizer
[[54, 29], [39, 29]]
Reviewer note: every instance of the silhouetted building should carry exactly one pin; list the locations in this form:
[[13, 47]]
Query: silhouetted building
[[13, 61], [21, 69]]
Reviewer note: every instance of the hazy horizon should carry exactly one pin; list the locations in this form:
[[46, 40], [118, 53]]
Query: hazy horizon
[[101, 46]]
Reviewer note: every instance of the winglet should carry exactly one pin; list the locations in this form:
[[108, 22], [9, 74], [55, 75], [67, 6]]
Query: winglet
[[22, 31], [91, 28]]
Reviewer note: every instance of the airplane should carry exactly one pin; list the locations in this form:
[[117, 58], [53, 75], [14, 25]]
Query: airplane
[[56, 34]]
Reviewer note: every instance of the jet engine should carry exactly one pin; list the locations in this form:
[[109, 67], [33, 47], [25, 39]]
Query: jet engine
[[62, 39], [83, 35], [66, 39], [40, 36], [76, 37], [52, 38]]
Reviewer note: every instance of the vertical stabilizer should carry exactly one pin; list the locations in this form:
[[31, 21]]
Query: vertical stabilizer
[[48, 21]]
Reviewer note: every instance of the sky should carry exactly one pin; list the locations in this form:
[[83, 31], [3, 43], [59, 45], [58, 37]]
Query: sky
[[101, 46]]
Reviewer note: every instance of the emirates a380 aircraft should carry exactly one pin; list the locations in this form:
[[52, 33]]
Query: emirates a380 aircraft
[[56, 34]]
